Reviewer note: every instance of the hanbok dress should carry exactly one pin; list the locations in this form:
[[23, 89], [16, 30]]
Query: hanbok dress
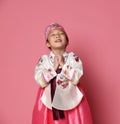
[[59, 99]]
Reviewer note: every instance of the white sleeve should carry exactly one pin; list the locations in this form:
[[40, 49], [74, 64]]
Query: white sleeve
[[72, 70], [44, 71]]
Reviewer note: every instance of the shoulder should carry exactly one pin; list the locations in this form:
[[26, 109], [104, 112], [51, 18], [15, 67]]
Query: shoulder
[[73, 56], [43, 59]]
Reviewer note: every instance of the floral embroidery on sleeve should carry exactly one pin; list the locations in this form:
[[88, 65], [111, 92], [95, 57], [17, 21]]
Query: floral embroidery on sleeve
[[72, 70], [44, 72]]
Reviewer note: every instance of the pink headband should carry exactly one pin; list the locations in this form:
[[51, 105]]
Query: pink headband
[[51, 27]]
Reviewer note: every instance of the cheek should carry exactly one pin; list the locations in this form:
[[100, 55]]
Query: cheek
[[50, 39], [65, 39]]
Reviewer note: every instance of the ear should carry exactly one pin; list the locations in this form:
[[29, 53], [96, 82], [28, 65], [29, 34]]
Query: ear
[[48, 44]]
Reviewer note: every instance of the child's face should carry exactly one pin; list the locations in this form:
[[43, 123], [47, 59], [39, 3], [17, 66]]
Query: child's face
[[57, 40]]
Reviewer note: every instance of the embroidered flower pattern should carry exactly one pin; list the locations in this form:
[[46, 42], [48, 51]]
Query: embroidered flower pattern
[[49, 73], [49, 70], [61, 77], [64, 83], [69, 67], [77, 58], [41, 60], [59, 82], [51, 57], [67, 70]]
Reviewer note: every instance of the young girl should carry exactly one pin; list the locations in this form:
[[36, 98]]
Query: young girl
[[59, 99]]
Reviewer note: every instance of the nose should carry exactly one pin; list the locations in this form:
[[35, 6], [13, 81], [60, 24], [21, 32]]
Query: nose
[[57, 35]]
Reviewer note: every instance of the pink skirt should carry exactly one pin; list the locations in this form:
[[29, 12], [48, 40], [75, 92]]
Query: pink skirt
[[79, 115]]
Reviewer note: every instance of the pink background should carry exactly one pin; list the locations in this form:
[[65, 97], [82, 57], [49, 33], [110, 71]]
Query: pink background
[[94, 32]]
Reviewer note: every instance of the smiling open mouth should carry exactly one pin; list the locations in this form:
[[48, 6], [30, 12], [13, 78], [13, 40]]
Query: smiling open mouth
[[58, 40]]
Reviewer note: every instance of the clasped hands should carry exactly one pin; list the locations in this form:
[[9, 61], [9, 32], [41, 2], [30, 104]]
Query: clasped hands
[[58, 61]]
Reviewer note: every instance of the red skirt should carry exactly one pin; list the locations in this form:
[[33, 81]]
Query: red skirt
[[79, 115]]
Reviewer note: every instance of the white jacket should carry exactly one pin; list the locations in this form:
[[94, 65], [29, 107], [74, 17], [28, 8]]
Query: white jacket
[[65, 98]]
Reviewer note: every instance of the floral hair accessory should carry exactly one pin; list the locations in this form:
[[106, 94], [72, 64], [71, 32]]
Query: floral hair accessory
[[51, 27]]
